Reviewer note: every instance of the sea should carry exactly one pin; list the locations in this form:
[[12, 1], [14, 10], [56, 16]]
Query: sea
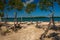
[[44, 19]]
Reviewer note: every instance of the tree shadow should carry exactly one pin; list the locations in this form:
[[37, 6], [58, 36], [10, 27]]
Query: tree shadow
[[15, 28], [56, 28], [38, 26], [56, 38], [54, 35]]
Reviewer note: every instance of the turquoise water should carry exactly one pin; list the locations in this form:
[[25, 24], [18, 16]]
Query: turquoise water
[[33, 19]]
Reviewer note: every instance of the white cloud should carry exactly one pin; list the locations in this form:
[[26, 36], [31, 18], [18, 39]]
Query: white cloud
[[28, 2]]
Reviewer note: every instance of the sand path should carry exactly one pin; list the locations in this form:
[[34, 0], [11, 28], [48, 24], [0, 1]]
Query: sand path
[[29, 33]]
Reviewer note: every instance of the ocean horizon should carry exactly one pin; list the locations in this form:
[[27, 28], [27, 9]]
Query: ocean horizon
[[44, 19]]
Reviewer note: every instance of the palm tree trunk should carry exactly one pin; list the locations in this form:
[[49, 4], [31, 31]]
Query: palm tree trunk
[[30, 18], [0, 19], [21, 18], [15, 18], [49, 25], [46, 31], [0, 23], [6, 19], [37, 23]]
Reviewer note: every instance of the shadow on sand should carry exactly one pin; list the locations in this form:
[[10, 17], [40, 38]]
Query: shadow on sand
[[54, 36], [56, 28]]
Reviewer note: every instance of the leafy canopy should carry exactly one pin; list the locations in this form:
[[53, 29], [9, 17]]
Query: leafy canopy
[[30, 8], [2, 5], [16, 4]]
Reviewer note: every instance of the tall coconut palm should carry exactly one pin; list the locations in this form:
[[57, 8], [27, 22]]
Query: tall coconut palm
[[30, 8]]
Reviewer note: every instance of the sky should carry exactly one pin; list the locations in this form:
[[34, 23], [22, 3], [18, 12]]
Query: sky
[[36, 12]]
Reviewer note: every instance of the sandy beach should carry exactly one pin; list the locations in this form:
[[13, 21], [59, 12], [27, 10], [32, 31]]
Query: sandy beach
[[41, 23], [29, 31]]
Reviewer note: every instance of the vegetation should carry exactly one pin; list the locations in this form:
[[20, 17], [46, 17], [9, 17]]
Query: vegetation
[[1, 15], [30, 8], [2, 6], [18, 5]]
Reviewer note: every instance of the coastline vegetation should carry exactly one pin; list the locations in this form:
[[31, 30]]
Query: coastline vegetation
[[18, 5]]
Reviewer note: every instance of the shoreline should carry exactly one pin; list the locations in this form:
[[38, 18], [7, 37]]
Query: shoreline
[[39, 22]]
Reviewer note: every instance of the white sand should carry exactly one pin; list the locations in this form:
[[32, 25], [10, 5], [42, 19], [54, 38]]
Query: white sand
[[28, 33]]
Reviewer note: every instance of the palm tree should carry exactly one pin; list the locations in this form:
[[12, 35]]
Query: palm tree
[[30, 8], [16, 4], [2, 6], [20, 7], [45, 5]]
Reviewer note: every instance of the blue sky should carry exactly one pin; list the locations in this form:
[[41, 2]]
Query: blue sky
[[37, 12]]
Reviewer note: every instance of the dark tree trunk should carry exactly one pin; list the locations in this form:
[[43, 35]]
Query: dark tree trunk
[[49, 26], [15, 19], [6, 19]]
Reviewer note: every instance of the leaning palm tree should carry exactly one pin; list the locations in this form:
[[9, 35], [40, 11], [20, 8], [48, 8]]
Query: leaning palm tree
[[30, 8], [45, 5]]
